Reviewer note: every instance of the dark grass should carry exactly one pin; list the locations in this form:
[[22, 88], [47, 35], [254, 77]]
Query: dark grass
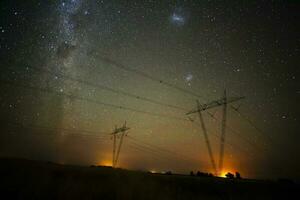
[[26, 179]]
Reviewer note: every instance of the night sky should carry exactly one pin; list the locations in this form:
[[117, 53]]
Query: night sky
[[72, 69]]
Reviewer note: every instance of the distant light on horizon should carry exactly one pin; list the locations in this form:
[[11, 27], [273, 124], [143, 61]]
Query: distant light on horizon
[[105, 163], [225, 171]]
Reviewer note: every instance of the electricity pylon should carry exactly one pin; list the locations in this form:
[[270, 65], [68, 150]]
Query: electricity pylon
[[200, 108], [223, 131], [118, 133]]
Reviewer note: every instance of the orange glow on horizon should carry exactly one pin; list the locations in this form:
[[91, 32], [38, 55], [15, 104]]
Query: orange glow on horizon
[[225, 171], [106, 163]]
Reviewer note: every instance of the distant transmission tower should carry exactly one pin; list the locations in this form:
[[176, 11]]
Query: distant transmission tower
[[118, 133], [200, 108]]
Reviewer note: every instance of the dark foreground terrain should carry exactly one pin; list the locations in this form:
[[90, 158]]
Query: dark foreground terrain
[[25, 179]]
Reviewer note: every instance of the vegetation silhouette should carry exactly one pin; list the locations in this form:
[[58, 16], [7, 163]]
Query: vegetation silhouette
[[229, 175], [26, 179]]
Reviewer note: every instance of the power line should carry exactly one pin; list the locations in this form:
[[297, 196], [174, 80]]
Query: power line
[[149, 148], [93, 101], [154, 155], [229, 143], [182, 156], [113, 90], [102, 87], [121, 66], [88, 133], [233, 146], [160, 149], [251, 123], [77, 133], [232, 130], [124, 93], [155, 152]]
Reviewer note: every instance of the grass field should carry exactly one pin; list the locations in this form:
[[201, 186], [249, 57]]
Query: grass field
[[26, 179]]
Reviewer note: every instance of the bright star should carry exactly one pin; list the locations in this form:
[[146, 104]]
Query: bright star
[[177, 19], [189, 77]]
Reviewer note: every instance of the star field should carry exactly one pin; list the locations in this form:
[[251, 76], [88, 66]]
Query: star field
[[74, 66]]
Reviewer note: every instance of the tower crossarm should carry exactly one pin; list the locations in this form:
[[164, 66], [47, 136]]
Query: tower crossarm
[[215, 103]]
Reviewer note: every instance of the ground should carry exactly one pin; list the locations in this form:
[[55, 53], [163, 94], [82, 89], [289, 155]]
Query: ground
[[26, 179]]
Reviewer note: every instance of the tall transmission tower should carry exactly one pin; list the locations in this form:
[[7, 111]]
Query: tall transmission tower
[[201, 108], [118, 133], [223, 131]]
